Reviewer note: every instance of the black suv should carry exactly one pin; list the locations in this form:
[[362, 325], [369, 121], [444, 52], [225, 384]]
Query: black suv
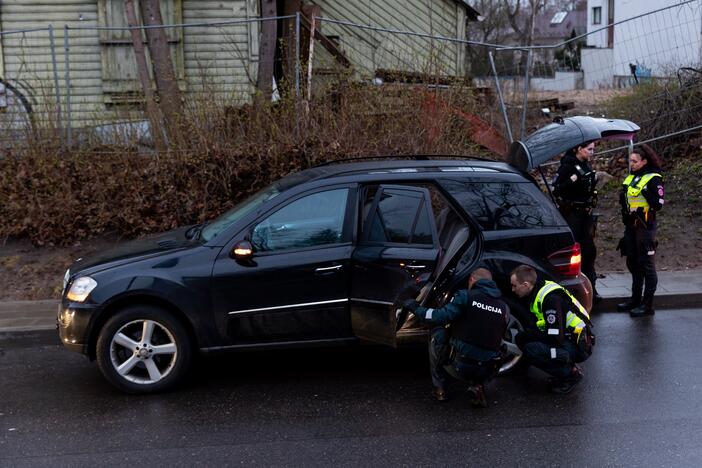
[[321, 257], [324, 257]]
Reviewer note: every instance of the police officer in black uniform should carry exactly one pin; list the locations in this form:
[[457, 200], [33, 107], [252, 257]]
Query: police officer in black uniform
[[641, 198], [575, 191], [563, 336], [467, 338]]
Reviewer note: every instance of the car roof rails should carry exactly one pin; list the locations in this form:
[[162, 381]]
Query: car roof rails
[[415, 157]]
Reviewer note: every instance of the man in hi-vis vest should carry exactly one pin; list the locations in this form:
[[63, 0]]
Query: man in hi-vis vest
[[563, 334]]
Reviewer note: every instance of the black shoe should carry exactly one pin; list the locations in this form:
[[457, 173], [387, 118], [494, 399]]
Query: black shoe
[[439, 394], [566, 384], [627, 306], [596, 298], [476, 393], [642, 311]]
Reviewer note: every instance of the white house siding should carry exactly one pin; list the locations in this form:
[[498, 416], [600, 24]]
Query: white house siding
[[221, 52], [27, 56], [599, 38], [370, 50], [221, 61], [662, 41]]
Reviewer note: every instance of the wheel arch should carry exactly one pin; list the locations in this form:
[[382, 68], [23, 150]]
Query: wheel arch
[[137, 299]]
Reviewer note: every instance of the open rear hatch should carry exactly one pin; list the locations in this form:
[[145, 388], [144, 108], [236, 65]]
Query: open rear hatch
[[563, 134]]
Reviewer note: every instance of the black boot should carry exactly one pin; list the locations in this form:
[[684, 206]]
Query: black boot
[[628, 305], [646, 308]]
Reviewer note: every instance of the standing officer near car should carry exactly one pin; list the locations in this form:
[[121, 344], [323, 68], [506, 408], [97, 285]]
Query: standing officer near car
[[563, 336], [641, 198], [575, 191], [467, 338]]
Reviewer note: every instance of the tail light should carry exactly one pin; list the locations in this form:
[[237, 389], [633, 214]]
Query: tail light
[[567, 261]]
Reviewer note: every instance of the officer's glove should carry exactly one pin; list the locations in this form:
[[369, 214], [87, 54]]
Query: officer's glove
[[411, 305]]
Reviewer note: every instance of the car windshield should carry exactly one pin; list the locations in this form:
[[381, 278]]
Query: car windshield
[[214, 228]]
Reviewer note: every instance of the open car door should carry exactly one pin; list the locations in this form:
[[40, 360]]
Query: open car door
[[398, 247], [563, 134]]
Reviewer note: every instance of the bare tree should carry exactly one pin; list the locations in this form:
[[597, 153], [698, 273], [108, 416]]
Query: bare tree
[[164, 75], [152, 111], [269, 28]]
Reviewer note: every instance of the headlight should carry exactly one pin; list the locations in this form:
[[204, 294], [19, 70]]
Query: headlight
[[80, 289]]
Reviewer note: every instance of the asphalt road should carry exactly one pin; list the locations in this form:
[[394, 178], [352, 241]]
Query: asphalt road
[[639, 405]]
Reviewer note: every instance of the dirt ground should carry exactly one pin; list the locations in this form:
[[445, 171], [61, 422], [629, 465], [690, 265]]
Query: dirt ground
[[28, 272]]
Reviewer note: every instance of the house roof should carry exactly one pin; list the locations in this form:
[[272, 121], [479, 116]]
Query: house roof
[[471, 13], [556, 26]]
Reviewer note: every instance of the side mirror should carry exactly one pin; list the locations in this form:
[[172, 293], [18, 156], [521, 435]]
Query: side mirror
[[243, 250]]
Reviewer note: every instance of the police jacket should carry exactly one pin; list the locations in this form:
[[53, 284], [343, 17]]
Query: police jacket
[[575, 182], [641, 196], [556, 310], [478, 319]]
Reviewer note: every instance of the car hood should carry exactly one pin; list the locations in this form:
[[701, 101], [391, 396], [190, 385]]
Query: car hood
[[560, 136], [130, 251]]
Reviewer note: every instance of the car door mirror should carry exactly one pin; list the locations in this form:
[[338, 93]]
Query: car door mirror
[[243, 250]]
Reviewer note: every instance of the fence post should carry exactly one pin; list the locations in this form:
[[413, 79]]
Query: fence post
[[297, 54], [526, 94], [57, 92], [499, 95], [67, 80]]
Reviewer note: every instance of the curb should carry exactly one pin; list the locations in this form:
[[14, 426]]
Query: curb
[[663, 301]]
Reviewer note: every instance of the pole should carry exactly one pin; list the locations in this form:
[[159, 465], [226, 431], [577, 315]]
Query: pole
[[67, 82], [56, 83], [526, 94], [297, 54], [499, 95]]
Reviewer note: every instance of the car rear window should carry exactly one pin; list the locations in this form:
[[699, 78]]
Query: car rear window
[[504, 205]]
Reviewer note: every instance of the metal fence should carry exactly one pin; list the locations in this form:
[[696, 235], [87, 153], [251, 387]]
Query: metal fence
[[57, 81]]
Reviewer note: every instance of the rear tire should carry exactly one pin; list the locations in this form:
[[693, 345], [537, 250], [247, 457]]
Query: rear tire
[[143, 349], [512, 361]]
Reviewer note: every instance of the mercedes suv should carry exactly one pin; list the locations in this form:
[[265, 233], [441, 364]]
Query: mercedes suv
[[324, 257]]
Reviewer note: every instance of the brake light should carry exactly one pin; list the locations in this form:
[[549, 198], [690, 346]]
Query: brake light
[[567, 261]]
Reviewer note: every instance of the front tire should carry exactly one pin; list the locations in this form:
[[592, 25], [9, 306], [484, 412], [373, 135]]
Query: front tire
[[143, 349]]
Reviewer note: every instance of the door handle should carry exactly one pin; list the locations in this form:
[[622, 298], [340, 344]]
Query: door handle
[[415, 267], [331, 268]]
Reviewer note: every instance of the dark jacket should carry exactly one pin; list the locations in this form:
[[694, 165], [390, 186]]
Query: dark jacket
[[574, 183], [653, 192], [463, 314]]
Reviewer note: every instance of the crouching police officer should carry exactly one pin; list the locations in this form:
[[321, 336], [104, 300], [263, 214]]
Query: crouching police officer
[[467, 338], [563, 336]]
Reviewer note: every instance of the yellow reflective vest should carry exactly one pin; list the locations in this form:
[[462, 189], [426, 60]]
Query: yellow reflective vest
[[573, 323], [634, 197]]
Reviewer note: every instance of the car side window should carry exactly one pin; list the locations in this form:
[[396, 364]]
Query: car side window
[[400, 217], [313, 220], [502, 205]]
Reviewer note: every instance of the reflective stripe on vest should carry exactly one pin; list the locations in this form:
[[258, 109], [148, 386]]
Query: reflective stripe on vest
[[573, 322], [634, 199]]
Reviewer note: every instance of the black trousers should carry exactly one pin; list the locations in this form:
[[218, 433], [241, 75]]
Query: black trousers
[[640, 251], [583, 226]]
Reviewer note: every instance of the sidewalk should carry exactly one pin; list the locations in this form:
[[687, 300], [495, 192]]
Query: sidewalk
[[676, 289]]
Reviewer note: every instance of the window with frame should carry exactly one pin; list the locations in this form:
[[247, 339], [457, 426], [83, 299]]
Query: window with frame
[[596, 15], [311, 221], [401, 217], [120, 79]]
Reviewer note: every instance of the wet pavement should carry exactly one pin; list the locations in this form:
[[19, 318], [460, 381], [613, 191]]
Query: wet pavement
[[639, 405]]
